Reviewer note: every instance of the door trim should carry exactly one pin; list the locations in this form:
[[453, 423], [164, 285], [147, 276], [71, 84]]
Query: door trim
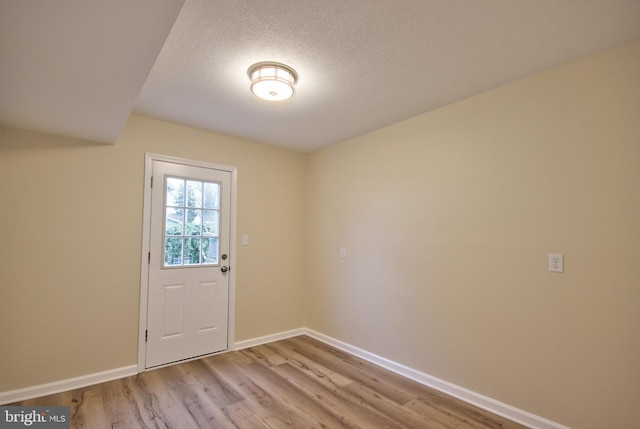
[[146, 236]]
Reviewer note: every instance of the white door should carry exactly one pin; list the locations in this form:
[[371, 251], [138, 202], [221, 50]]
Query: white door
[[188, 290]]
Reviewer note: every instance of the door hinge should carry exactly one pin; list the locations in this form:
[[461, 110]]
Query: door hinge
[[146, 335], [149, 258], [152, 181]]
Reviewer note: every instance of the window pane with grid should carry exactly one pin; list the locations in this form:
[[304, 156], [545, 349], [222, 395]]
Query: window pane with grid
[[192, 222]]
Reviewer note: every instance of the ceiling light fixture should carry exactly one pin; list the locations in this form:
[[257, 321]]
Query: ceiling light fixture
[[272, 81]]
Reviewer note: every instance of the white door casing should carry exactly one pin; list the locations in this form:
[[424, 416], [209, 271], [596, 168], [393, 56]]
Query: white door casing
[[186, 307]]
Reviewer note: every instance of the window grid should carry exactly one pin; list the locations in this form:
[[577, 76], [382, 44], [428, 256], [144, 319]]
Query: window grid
[[192, 222]]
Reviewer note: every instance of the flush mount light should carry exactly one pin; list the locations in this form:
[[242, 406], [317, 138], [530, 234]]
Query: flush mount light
[[272, 81]]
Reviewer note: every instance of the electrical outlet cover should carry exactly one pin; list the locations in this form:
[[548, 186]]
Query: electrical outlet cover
[[556, 262]]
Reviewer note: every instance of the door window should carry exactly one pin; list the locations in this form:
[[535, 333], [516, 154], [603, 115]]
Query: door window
[[192, 222]]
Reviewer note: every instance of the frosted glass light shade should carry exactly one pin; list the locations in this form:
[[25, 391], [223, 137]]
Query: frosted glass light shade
[[272, 81]]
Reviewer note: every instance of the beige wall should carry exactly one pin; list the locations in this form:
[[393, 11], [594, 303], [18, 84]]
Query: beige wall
[[448, 218], [71, 228]]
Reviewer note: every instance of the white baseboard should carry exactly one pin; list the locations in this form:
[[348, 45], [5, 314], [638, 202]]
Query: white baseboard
[[38, 391], [64, 385], [496, 407], [269, 338], [500, 408]]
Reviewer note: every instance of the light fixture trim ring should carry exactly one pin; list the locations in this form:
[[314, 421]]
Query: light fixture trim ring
[[265, 64]]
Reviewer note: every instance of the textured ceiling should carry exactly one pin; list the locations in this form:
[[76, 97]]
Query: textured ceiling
[[363, 64]]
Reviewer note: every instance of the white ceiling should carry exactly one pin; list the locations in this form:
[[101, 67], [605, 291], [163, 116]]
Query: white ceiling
[[75, 67], [78, 67]]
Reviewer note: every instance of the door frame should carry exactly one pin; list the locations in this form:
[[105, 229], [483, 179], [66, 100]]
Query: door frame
[[146, 236]]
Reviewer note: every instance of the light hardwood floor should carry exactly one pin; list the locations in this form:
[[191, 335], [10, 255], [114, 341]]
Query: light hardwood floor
[[293, 383]]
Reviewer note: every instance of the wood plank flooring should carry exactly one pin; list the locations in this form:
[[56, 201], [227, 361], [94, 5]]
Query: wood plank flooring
[[293, 383]]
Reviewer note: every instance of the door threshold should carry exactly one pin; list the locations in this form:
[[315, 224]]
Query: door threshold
[[164, 365]]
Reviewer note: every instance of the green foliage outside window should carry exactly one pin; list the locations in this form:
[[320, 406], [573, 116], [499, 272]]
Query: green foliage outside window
[[191, 241]]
